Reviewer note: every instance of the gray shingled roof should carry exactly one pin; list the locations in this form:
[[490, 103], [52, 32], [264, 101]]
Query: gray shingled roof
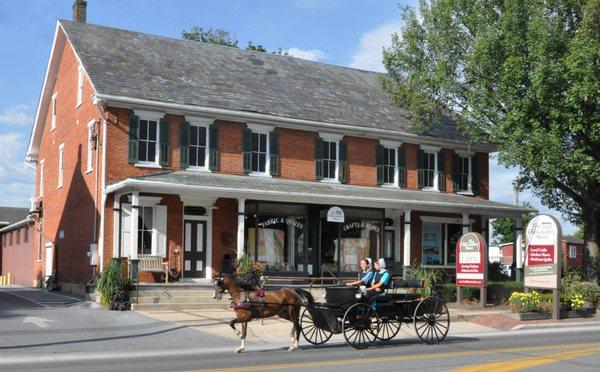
[[11, 214], [137, 65], [267, 188]]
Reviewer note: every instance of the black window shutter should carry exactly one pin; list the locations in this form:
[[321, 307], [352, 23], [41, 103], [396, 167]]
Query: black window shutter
[[164, 142], [134, 129], [402, 166], [214, 146], [441, 170], [273, 153], [343, 171], [184, 145], [455, 175], [247, 150], [379, 163], [420, 166], [319, 158], [475, 174]]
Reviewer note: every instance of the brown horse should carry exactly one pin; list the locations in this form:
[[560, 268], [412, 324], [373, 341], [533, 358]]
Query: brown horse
[[283, 302]]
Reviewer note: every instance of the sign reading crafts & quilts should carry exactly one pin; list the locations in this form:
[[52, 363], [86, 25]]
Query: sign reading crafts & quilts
[[471, 264], [543, 255]]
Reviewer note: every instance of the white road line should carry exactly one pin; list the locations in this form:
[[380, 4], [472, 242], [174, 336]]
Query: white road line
[[28, 299]]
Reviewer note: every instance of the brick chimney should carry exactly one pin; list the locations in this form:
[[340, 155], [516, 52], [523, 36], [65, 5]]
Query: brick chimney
[[79, 11]]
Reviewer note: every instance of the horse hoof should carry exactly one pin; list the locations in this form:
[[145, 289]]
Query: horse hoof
[[239, 350], [291, 348]]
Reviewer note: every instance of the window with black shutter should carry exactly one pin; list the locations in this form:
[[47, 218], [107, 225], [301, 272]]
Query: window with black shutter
[[214, 144]]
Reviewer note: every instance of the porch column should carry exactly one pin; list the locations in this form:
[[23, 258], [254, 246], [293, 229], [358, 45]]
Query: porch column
[[407, 257], [465, 223], [116, 227], [241, 226], [135, 203], [518, 248]]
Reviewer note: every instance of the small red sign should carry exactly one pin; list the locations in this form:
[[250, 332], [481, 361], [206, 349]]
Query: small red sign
[[540, 255], [471, 261]]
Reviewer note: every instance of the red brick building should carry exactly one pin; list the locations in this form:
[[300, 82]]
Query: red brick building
[[189, 151], [19, 259]]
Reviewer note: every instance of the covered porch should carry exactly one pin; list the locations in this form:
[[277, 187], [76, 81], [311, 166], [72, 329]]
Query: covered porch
[[201, 219]]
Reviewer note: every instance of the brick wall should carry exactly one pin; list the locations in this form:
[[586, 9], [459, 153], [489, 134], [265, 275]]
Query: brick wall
[[70, 209], [411, 166], [19, 259], [297, 153], [361, 161], [224, 232], [231, 147]]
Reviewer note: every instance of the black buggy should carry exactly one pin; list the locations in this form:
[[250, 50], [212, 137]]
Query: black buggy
[[346, 311]]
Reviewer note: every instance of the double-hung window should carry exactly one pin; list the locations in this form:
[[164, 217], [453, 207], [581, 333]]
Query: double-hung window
[[148, 139], [42, 162], [259, 152], [145, 229], [463, 167], [429, 170], [330, 160], [389, 166], [198, 146], [572, 251], [91, 145]]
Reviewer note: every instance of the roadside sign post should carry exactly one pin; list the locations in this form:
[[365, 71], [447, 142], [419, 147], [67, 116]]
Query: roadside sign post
[[471, 265], [543, 258]]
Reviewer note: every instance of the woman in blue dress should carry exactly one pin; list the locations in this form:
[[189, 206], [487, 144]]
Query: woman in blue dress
[[365, 275], [381, 280]]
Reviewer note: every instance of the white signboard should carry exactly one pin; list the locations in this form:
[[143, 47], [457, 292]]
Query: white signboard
[[335, 214], [543, 253]]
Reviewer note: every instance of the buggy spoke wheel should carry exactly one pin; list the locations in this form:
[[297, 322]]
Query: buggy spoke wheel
[[431, 320], [388, 328], [360, 326], [311, 332]]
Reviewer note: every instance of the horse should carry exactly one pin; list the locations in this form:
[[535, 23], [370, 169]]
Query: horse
[[283, 302]]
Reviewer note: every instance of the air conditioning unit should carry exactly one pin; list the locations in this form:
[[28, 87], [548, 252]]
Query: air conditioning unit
[[34, 205]]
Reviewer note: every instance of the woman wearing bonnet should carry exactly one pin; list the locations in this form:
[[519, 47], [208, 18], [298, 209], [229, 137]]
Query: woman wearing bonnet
[[380, 281], [365, 275]]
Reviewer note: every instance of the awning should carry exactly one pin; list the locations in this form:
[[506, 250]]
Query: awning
[[214, 185]]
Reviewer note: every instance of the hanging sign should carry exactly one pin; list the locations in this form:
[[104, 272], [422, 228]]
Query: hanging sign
[[471, 261], [335, 214], [543, 253]]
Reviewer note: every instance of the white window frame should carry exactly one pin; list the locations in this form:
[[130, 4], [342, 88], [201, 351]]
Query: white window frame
[[572, 251], [147, 202], [429, 150], [151, 116], [61, 165], [201, 123], [90, 146], [53, 110], [41, 191], [468, 155], [266, 130], [79, 86], [391, 145], [336, 138]]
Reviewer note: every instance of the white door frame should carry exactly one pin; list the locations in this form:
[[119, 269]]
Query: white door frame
[[195, 202]]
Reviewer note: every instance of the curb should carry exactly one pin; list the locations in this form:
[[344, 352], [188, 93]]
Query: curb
[[554, 325]]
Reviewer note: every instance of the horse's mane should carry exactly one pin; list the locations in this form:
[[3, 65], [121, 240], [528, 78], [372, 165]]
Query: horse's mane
[[240, 283]]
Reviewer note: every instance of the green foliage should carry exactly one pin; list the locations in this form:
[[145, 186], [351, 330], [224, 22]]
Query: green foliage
[[497, 293], [221, 37], [495, 272], [521, 74], [245, 265], [524, 302], [109, 282], [429, 277], [504, 227]]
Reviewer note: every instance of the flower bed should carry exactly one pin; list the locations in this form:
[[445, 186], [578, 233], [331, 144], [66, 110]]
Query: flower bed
[[534, 306]]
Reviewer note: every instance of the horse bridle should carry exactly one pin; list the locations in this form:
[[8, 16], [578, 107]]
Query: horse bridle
[[218, 294]]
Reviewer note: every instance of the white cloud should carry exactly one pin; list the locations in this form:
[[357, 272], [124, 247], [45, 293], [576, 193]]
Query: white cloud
[[311, 55], [370, 49], [12, 156], [16, 115]]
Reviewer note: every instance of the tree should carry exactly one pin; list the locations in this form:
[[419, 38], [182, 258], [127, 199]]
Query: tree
[[521, 74], [221, 37], [504, 228]]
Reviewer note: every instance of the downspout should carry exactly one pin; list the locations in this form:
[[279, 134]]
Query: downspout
[[101, 106]]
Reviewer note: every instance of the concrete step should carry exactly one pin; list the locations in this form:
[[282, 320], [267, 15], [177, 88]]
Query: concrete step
[[179, 306]]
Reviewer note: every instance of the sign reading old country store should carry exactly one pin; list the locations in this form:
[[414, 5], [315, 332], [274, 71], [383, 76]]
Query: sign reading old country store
[[543, 253]]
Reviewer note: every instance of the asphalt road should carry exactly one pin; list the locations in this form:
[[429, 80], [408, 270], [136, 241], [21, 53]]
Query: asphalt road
[[74, 337]]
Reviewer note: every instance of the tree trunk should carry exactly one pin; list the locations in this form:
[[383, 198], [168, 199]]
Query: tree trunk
[[591, 253]]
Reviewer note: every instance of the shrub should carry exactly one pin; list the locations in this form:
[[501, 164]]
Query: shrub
[[522, 302], [499, 292], [429, 277], [590, 292], [496, 273], [114, 288]]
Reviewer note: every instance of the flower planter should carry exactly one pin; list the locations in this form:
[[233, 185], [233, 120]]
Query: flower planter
[[530, 316], [583, 313]]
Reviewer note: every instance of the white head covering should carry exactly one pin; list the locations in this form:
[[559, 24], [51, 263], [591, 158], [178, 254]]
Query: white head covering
[[381, 263], [369, 262]]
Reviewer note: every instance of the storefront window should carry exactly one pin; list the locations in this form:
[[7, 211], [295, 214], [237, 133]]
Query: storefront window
[[432, 244], [276, 239], [357, 239], [454, 233]]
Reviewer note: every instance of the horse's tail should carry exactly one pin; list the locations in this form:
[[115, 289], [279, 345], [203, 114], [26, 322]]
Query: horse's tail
[[306, 298]]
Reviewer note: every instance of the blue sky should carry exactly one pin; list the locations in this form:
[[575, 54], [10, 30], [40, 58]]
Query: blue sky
[[346, 33]]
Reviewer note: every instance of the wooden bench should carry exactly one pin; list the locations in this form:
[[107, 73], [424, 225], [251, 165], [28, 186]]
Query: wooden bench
[[152, 264]]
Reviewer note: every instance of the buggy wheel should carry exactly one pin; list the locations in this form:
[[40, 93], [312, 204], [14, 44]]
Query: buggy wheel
[[310, 331], [431, 320], [360, 325], [388, 328]]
